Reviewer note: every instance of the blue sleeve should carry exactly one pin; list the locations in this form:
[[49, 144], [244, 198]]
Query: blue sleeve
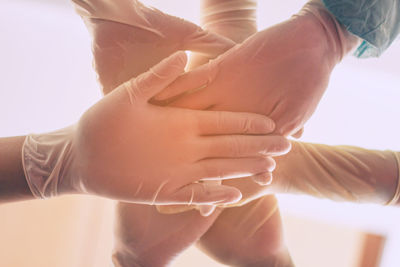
[[377, 22]]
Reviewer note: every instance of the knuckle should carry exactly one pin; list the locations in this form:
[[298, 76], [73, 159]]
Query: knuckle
[[132, 90], [142, 83]]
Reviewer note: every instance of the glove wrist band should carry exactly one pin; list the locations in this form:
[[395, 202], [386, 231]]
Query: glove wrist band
[[225, 11], [45, 158], [396, 195]]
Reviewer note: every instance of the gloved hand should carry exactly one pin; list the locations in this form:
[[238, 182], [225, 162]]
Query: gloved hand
[[129, 37], [281, 72], [112, 150], [144, 237], [250, 235], [340, 173], [235, 20]]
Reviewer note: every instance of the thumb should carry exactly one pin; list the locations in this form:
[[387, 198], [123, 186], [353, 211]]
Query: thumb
[[146, 85]]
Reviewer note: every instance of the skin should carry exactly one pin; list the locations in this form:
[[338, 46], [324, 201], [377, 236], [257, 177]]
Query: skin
[[13, 186]]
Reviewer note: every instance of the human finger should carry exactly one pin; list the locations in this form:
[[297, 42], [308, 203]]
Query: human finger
[[222, 169], [157, 78], [234, 146], [223, 122], [189, 82], [201, 193]]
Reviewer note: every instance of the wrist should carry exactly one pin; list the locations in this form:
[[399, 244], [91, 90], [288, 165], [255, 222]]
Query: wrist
[[47, 160], [235, 19], [333, 37], [13, 186], [393, 185]]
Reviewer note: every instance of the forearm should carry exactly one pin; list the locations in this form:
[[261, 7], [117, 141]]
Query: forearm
[[341, 173], [13, 186], [236, 19]]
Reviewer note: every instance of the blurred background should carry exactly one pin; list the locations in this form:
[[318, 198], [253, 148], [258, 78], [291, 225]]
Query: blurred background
[[47, 82]]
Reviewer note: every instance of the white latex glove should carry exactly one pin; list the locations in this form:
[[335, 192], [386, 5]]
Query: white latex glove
[[251, 235], [339, 173], [144, 237], [129, 37], [234, 19], [127, 149], [281, 72]]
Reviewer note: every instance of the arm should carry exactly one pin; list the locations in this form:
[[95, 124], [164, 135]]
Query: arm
[[339, 173], [13, 186], [342, 173], [235, 20]]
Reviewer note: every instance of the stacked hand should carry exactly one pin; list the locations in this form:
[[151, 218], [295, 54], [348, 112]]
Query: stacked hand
[[144, 237], [244, 236], [150, 154], [119, 50], [129, 38], [281, 72]]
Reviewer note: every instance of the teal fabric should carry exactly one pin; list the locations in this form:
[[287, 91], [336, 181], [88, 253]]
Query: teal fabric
[[377, 22]]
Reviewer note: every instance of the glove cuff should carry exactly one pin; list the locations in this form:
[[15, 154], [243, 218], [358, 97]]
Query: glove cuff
[[235, 19], [339, 39], [396, 195], [45, 160], [222, 11]]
